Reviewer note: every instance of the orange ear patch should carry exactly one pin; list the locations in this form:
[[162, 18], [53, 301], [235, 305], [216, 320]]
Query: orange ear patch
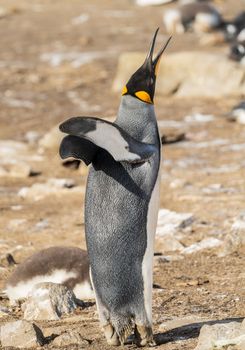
[[144, 96], [157, 66], [124, 90]]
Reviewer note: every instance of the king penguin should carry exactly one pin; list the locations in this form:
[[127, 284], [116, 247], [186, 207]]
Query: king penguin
[[121, 203]]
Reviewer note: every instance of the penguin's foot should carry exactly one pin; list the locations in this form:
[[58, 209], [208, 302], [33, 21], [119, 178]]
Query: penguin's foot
[[111, 335], [144, 336]]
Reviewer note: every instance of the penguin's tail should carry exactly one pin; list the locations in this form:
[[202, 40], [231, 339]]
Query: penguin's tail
[[123, 326]]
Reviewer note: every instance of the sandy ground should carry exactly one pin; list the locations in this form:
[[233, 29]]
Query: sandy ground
[[199, 285]]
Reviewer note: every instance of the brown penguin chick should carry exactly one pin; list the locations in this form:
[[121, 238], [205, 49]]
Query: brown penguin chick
[[66, 265]]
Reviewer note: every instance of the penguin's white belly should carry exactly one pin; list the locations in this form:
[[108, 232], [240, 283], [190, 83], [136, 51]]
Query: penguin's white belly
[[147, 265]]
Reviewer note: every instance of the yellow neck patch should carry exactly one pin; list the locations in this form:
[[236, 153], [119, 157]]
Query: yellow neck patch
[[144, 96], [124, 90]]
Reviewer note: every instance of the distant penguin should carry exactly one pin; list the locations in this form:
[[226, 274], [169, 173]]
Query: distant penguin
[[121, 204], [200, 16], [235, 29], [237, 52], [66, 265], [238, 113], [152, 2]]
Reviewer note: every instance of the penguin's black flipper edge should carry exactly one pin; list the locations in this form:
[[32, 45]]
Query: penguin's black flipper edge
[[110, 137], [78, 148]]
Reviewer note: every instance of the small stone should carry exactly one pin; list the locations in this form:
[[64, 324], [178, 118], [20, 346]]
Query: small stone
[[57, 187], [32, 137], [235, 239], [70, 338], [220, 335], [4, 311], [41, 225], [15, 224], [170, 222], [199, 118], [52, 139], [168, 244], [49, 301], [16, 169], [189, 322], [207, 243], [3, 12], [21, 334]]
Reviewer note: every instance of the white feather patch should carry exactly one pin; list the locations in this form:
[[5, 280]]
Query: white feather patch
[[83, 290], [108, 137], [23, 288]]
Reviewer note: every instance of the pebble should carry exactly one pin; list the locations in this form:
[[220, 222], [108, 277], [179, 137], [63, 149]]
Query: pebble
[[57, 187], [206, 243], [21, 334], [170, 222], [71, 337], [221, 335], [49, 301]]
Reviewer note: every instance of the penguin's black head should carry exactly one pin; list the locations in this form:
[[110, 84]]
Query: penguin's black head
[[141, 85]]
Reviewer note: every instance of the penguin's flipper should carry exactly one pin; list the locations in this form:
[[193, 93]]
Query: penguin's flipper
[[76, 147], [110, 137]]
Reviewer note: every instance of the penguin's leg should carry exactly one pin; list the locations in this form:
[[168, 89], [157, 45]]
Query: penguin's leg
[[109, 331], [144, 335], [143, 329], [111, 335]]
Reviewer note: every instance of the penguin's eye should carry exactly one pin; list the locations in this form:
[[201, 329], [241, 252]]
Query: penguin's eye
[[143, 96]]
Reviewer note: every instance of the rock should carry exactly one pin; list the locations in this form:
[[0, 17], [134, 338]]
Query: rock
[[32, 137], [84, 17], [163, 259], [168, 244], [3, 12], [199, 118], [206, 243], [15, 224], [14, 159], [188, 74], [170, 222], [57, 187], [70, 338], [189, 322], [221, 335], [152, 2], [52, 139], [10, 149], [235, 239], [15, 169], [4, 311], [48, 301], [41, 225], [172, 138], [21, 334]]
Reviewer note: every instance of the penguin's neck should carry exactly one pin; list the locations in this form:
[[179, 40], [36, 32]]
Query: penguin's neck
[[138, 119]]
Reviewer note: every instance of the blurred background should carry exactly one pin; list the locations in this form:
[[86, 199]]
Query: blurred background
[[68, 58]]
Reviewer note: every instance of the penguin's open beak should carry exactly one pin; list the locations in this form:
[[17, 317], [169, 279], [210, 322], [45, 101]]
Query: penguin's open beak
[[154, 63]]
